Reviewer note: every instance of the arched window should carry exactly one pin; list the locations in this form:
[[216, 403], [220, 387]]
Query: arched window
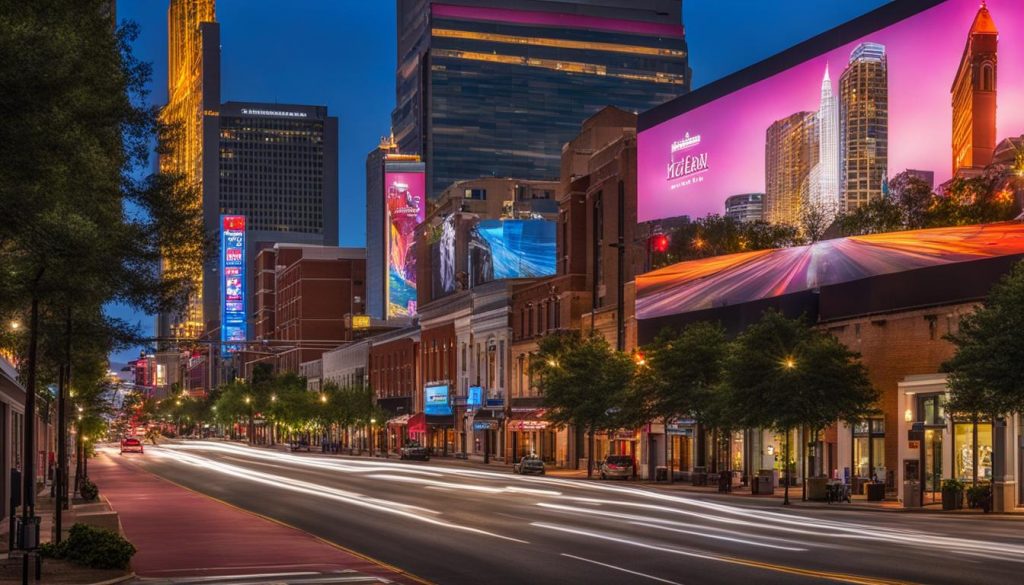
[[988, 77]]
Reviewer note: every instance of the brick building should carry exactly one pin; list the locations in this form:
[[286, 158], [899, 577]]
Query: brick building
[[303, 296]]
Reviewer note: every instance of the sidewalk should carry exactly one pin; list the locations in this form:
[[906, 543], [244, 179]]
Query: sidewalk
[[181, 533]]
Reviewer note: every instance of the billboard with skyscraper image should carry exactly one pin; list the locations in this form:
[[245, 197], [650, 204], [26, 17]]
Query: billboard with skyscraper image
[[937, 90], [405, 203], [932, 88]]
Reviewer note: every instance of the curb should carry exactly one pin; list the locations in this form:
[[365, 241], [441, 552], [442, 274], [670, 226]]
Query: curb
[[115, 580]]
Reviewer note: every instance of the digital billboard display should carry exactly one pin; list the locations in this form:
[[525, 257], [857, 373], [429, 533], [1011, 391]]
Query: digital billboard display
[[934, 91], [435, 400], [511, 248], [734, 279], [233, 326], [405, 198]]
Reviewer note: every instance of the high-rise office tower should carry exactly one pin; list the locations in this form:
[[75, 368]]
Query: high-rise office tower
[[493, 88], [825, 191], [864, 126], [746, 207], [277, 165], [791, 151], [974, 97], [193, 91]]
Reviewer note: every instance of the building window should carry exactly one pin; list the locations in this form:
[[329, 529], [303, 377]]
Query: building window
[[476, 194], [988, 77]]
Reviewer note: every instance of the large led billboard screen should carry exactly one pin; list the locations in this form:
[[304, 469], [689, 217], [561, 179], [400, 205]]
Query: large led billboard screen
[[435, 401], [233, 325], [511, 248], [405, 199], [825, 126]]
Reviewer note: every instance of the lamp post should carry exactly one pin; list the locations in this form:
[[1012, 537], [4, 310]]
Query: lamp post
[[789, 363]]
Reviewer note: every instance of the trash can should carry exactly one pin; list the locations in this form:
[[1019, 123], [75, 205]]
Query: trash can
[[762, 484], [661, 473], [699, 476], [911, 494], [875, 491]]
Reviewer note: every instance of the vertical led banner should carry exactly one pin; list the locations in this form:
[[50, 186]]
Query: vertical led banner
[[405, 197], [232, 269]]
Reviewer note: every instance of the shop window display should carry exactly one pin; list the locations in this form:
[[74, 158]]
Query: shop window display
[[972, 451]]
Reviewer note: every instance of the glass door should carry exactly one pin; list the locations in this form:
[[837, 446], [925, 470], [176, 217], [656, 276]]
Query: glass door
[[932, 465]]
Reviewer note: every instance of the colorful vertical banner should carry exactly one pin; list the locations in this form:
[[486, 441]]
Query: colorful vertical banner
[[405, 197], [232, 268]]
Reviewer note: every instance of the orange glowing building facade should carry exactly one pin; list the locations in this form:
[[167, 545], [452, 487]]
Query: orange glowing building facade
[[974, 97], [193, 92]]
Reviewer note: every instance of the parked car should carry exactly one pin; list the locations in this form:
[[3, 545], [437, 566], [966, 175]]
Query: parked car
[[617, 466], [530, 464], [131, 445], [413, 450]]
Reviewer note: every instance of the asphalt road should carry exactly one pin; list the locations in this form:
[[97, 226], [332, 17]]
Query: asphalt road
[[454, 525]]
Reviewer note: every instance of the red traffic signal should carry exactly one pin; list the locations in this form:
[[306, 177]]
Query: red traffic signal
[[659, 243]]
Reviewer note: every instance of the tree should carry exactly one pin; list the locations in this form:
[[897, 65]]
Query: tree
[[678, 373], [583, 381], [986, 376], [714, 235], [783, 375]]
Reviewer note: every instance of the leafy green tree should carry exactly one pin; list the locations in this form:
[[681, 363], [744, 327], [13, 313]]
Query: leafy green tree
[[584, 382], [783, 375], [678, 373], [986, 376]]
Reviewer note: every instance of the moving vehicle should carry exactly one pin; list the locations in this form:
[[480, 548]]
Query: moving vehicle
[[617, 466], [530, 464], [131, 445], [413, 450]]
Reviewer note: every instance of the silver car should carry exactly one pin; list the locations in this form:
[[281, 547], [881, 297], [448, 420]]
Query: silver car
[[529, 464], [617, 466]]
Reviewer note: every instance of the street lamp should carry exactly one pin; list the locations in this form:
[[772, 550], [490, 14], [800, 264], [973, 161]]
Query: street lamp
[[15, 325], [789, 363], [273, 397], [323, 398]]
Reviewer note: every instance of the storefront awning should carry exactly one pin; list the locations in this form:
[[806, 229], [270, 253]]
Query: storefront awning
[[399, 420], [417, 424], [527, 420]]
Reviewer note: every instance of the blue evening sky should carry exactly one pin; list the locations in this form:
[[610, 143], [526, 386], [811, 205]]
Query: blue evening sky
[[341, 53]]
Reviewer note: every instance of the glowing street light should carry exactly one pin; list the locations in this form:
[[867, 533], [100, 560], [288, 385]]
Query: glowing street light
[[15, 325], [789, 363], [323, 398], [248, 400], [273, 397]]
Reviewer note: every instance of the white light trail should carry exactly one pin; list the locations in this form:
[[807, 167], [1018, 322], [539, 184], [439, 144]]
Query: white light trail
[[624, 570]]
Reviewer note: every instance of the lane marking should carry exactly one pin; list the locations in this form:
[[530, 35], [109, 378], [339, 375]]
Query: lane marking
[[637, 573], [841, 577], [720, 537], [336, 545]]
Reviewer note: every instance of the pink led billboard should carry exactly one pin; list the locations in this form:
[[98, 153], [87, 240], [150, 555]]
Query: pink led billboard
[[935, 92], [405, 199]]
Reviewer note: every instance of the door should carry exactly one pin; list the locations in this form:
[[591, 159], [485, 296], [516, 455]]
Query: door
[[932, 465]]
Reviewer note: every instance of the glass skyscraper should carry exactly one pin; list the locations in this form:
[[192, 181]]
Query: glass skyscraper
[[487, 90], [864, 126]]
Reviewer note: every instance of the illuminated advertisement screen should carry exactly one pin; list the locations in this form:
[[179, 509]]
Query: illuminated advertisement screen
[[232, 268], [475, 397], [405, 198], [511, 248], [750, 276], [934, 92], [436, 401]]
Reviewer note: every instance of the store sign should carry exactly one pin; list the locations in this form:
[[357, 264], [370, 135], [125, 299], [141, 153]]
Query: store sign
[[475, 397], [528, 425], [485, 425], [913, 445], [233, 326], [360, 322], [495, 403], [436, 402]]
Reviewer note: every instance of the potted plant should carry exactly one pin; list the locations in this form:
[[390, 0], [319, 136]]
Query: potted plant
[[980, 496], [952, 494]]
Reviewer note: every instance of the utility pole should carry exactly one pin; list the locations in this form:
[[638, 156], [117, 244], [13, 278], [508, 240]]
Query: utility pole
[[620, 338]]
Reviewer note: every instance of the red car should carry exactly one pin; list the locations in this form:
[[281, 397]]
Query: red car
[[131, 445]]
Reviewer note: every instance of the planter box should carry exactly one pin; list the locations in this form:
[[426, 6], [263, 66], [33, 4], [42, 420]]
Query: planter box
[[817, 488], [952, 500]]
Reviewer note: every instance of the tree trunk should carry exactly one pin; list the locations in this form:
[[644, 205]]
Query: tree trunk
[[668, 453], [785, 471], [590, 452], [29, 444]]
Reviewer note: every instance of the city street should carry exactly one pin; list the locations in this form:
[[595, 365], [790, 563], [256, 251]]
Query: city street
[[451, 524]]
